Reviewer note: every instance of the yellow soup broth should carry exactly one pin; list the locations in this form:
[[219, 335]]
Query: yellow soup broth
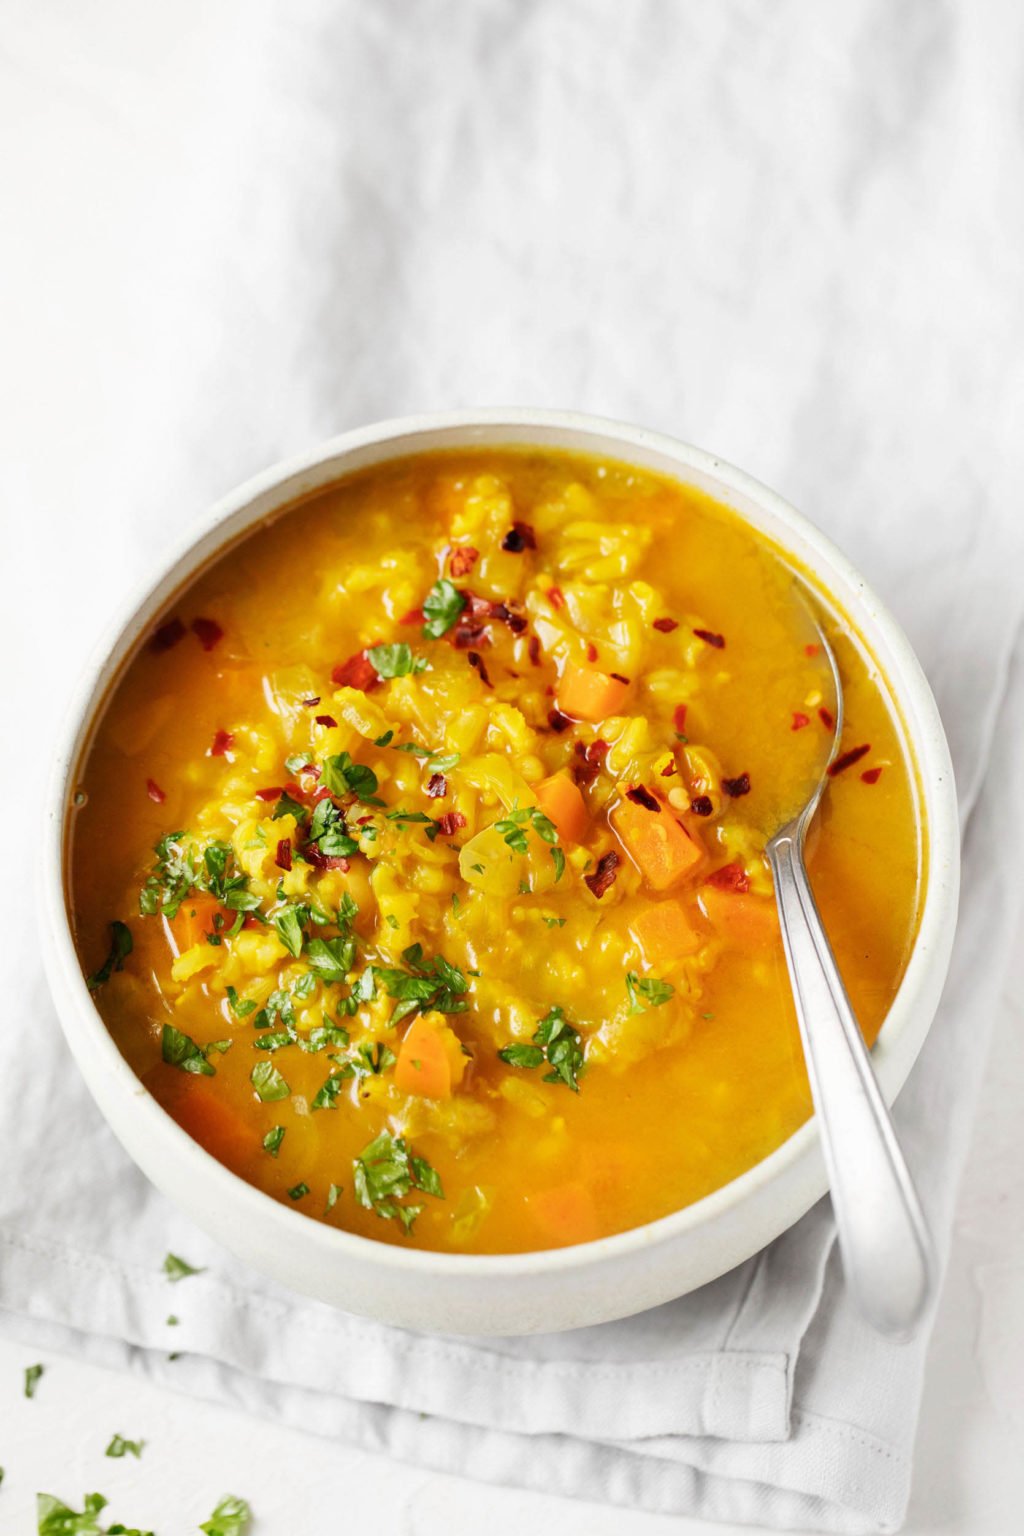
[[426, 837]]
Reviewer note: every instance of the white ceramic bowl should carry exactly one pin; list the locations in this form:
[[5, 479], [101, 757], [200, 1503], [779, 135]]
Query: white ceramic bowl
[[525, 1292]]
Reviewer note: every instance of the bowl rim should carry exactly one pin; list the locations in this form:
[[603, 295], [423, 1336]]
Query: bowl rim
[[83, 1025]]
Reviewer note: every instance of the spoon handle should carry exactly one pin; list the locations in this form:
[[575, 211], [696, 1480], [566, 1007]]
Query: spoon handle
[[886, 1249]]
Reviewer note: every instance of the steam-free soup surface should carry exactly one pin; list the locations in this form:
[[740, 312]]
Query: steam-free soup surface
[[420, 866]]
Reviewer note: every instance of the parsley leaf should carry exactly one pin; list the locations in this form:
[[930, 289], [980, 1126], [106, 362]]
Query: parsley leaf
[[32, 1375], [288, 923], [332, 1196], [329, 832], [180, 1050], [178, 1269], [395, 660], [297, 1191], [273, 1139], [384, 1172], [332, 959], [655, 992], [557, 1042], [54, 1518], [517, 823], [120, 949], [268, 1082], [230, 1518], [119, 1446], [287, 805], [342, 776], [428, 984], [441, 607]]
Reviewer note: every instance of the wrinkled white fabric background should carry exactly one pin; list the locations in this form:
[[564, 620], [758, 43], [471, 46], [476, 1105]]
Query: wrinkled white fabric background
[[791, 236]]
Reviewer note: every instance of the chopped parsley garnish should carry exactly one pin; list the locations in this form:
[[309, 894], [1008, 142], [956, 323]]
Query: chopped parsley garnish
[[555, 922], [120, 949], [329, 832], [54, 1518], [32, 1375], [369, 1059], [428, 984], [180, 1050], [287, 805], [230, 1518], [268, 1082], [385, 740], [179, 871], [395, 660], [652, 991], [514, 828], [177, 1269], [240, 1007], [297, 1191], [288, 922], [441, 608], [342, 776], [332, 1197], [385, 1171], [273, 1139], [332, 959], [554, 1041], [119, 1446]]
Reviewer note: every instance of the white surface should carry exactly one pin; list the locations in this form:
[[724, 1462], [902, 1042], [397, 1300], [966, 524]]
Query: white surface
[[822, 284], [969, 1478]]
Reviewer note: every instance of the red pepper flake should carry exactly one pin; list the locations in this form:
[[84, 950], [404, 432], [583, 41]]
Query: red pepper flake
[[557, 721], [736, 787], [272, 792], [223, 741], [510, 613], [323, 793], [811, 650], [207, 632], [827, 718], [154, 791], [666, 773], [799, 720], [641, 796], [167, 636], [533, 649], [328, 720], [591, 651], [710, 638], [450, 822], [462, 558], [556, 597], [437, 785], [666, 625], [476, 661], [604, 875], [619, 677], [414, 616], [311, 703], [701, 805], [731, 877], [679, 717], [847, 759], [363, 821], [250, 920], [871, 775], [590, 759], [358, 672], [284, 853], [519, 537], [311, 853]]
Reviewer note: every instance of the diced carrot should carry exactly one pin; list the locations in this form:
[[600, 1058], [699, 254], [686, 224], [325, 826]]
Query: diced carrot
[[430, 1060], [199, 1109], [590, 695], [664, 852], [194, 920], [749, 922], [664, 932], [562, 803], [565, 1214]]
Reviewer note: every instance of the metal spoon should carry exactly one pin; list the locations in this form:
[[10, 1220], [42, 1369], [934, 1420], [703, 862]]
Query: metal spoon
[[886, 1249]]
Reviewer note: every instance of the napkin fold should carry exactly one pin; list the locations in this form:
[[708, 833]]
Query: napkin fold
[[751, 231]]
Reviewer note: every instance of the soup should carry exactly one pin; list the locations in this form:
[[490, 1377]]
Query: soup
[[418, 861]]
